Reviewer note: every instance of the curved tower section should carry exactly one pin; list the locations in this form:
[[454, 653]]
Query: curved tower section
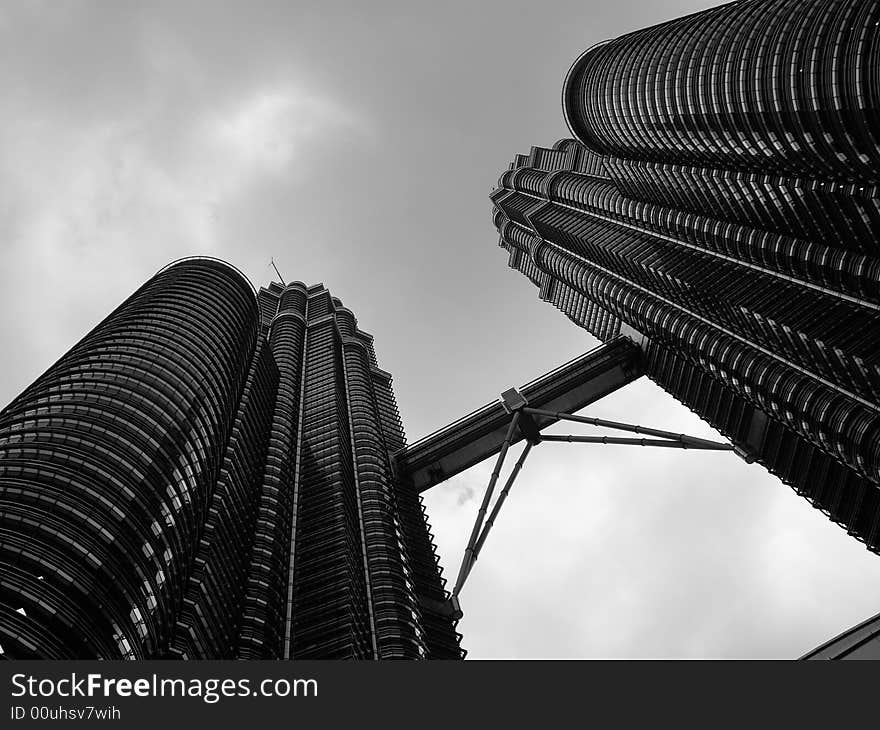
[[269, 590], [108, 464], [762, 113], [786, 86]]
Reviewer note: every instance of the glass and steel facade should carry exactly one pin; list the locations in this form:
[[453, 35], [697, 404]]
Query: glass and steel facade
[[207, 474], [720, 206]]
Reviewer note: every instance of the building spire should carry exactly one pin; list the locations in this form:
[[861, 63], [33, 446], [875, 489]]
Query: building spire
[[272, 263]]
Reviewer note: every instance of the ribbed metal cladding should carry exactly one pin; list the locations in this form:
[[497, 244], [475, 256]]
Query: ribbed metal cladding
[[392, 593], [267, 593], [723, 211], [108, 464], [436, 635], [211, 619], [784, 86], [331, 607], [764, 113]]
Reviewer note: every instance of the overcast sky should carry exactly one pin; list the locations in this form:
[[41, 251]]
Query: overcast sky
[[357, 144]]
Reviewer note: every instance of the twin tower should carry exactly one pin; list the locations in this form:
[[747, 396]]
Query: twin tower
[[210, 472], [720, 205]]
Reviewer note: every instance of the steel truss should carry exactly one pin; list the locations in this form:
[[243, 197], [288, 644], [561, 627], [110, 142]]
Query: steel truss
[[522, 418]]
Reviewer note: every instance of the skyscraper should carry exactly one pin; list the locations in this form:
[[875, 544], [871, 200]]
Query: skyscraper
[[207, 474], [720, 206]]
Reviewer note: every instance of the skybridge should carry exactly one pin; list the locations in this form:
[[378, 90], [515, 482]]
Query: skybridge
[[520, 414], [479, 435]]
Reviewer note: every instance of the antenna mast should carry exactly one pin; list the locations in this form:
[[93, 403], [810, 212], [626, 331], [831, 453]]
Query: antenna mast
[[272, 261]]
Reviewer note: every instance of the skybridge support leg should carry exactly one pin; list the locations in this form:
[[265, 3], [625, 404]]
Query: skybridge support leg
[[455, 606], [497, 508], [467, 560]]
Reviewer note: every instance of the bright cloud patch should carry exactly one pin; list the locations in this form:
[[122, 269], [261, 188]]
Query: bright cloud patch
[[270, 129]]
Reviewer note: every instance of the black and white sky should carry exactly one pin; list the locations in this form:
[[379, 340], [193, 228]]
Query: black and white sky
[[357, 144]]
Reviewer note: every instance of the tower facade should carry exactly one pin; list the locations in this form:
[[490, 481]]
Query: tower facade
[[208, 474], [720, 206]]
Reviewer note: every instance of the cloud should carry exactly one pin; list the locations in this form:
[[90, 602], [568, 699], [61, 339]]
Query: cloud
[[276, 126], [155, 159], [465, 493], [108, 184]]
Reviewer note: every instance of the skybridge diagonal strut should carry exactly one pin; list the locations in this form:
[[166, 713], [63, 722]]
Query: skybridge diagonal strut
[[469, 550], [524, 419], [501, 497]]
